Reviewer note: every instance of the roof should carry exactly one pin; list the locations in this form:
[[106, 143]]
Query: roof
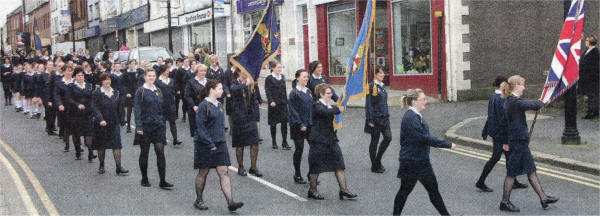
[[15, 11]]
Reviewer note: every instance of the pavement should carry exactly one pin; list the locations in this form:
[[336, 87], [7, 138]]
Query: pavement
[[545, 141], [74, 188]]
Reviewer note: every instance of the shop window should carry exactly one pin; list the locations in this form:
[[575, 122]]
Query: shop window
[[412, 37], [342, 35], [251, 19], [201, 35]]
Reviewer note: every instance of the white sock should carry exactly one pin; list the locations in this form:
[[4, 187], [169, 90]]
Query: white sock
[[24, 104], [36, 108]]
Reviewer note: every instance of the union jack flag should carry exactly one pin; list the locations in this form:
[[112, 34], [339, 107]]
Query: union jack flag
[[564, 70]]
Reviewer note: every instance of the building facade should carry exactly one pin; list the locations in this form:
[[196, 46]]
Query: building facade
[[14, 24], [39, 21]]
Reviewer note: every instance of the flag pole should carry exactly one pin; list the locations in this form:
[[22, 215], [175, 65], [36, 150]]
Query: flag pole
[[374, 4], [533, 124]]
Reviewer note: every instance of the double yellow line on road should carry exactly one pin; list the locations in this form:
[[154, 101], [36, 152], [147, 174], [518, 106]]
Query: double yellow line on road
[[541, 170], [48, 205]]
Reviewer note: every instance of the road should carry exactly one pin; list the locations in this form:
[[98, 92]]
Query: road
[[74, 188]]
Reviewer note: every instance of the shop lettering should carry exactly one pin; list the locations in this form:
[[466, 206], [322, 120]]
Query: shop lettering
[[255, 3], [196, 17]]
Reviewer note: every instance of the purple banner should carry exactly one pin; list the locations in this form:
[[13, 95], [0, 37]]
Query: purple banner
[[244, 6]]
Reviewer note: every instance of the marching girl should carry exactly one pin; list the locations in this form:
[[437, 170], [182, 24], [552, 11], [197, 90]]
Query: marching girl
[[216, 72], [48, 78], [16, 78], [277, 102], [520, 161], [105, 105], [90, 75], [168, 87], [61, 91], [118, 83], [244, 131], [325, 154], [377, 120], [210, 149], [317, 77], [415, 164], [28, 89], [300, 114], [6, 71], [39, 83], [150, 126], [192, 94], [130, 85], [80, 98]]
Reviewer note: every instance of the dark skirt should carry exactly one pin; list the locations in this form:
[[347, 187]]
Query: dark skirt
[[228, 106], [107, 137], [296, 133], [520, 161], [413, 169], [155, 133], [170, 112], [244, 134], [324, 157], [37, 92], [206, 158], [277, 114], [81, 125], [381, 125], [28, 93]]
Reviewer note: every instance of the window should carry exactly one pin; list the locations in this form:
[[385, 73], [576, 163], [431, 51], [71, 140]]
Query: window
[[252, 18], [304, 15], [342, 35], [412, 37]]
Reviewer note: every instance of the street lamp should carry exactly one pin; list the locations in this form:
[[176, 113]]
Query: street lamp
[[72, 5], [168, 23], [570, 134]]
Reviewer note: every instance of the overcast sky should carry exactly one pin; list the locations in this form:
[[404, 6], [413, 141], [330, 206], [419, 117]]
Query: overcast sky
[[7, 7]]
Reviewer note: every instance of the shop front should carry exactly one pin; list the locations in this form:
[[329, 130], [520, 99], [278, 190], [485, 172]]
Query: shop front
[[404, 42], [251, 12]]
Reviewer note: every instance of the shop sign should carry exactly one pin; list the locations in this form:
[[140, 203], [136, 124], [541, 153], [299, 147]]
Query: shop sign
[[133, 17], [244, 6], [91, 32], [159, 24], [202, 16]]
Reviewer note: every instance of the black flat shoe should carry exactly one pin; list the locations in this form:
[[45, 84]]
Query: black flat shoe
[[286, 147], [165, 185], [66, 150], [347, 195], [255, 172], [315, 195], [176, 142], [128, 130], [275, 146], [519, 185], [235, 205], [51, 133], [145, 183], [509, 207], [91, 156], [101, 170], [483, 188], [200, 205], [299, 180], [548, 200], [377, 170], [242, 172], [121, 172]]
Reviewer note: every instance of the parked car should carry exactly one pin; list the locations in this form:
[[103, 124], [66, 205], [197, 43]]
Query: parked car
[[120, 56], [149, 54]]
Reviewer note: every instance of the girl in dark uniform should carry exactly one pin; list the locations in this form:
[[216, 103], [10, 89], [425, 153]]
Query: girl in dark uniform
[[210, 149], [28, 89], [495, 126], [90, 75], [377, 120], [520, 161], [16, 78], [300, 114], [6, 71], [80, 99], [61, 91], [244, 128], [325, 154], [130, 85], [49, 102], [317, 77], [192, 94], [415, 142], [168, 88], [118, 83], [277, 101], [107, 118], [39, 83], [150, 126]]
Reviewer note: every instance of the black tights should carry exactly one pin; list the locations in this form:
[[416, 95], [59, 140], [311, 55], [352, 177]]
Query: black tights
[[533, 180], [283, 133], [496, 155], [173, 129], [299, 143], [116, 155], [340, 176], [86, 139], [374, 154], [224, 179], [7, 94], [129, 110], [160, 159], [430, 184]]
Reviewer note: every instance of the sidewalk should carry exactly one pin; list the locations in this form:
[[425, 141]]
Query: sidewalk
[[394, 96], [545, 142]]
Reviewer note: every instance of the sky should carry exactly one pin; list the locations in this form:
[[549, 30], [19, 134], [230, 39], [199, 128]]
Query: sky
[[7, 7]]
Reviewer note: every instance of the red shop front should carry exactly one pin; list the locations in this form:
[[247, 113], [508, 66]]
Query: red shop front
[[406, 41]]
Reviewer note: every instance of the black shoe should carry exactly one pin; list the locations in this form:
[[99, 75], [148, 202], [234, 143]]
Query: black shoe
[[145, 183], [165, 185], [548, 200], [347, 195], [483, 188], [591, 116], [200, 205], [122, 172], [242, 172], [38, 116], [508, 207], [255, 172], [91, 156], [235, 205], [275, 146], [377, 169], [66, 149], [286, 147], [52, 133], [176, 142], [32, 117], [77, 156], [315, 195], [101, 170], [128, 130], [299, 180], [519, 185]]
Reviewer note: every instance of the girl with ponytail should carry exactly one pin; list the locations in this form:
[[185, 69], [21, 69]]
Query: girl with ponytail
[[300, 112], [377, 120]]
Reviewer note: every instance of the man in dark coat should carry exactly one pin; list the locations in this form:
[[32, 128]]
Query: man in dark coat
[[589, 69]]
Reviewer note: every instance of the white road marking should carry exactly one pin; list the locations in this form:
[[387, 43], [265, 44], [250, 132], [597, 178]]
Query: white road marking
[[272, 186]]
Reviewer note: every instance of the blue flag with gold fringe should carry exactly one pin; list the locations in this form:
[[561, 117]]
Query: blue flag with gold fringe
[[262, 46], [356, 83], [36, 36]]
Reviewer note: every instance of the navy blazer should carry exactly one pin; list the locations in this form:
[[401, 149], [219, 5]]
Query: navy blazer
[[79, 96], [312, 83], [192, 92], [117, 83], [300, 108], [275, 90], [44, 79], [220, 75], [376, 106], [210, 121], [61, 93], [148, 108], [107, 109], [515, 116], [495, 125], [28, 83], [16, 78], [322, 124], [4, 69], [54, 77], [242, 102], [415, 139], [130, 81]]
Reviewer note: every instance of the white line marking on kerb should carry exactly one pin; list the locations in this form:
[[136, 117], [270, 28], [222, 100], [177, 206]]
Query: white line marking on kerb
[[271, 185], [19, 186]]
